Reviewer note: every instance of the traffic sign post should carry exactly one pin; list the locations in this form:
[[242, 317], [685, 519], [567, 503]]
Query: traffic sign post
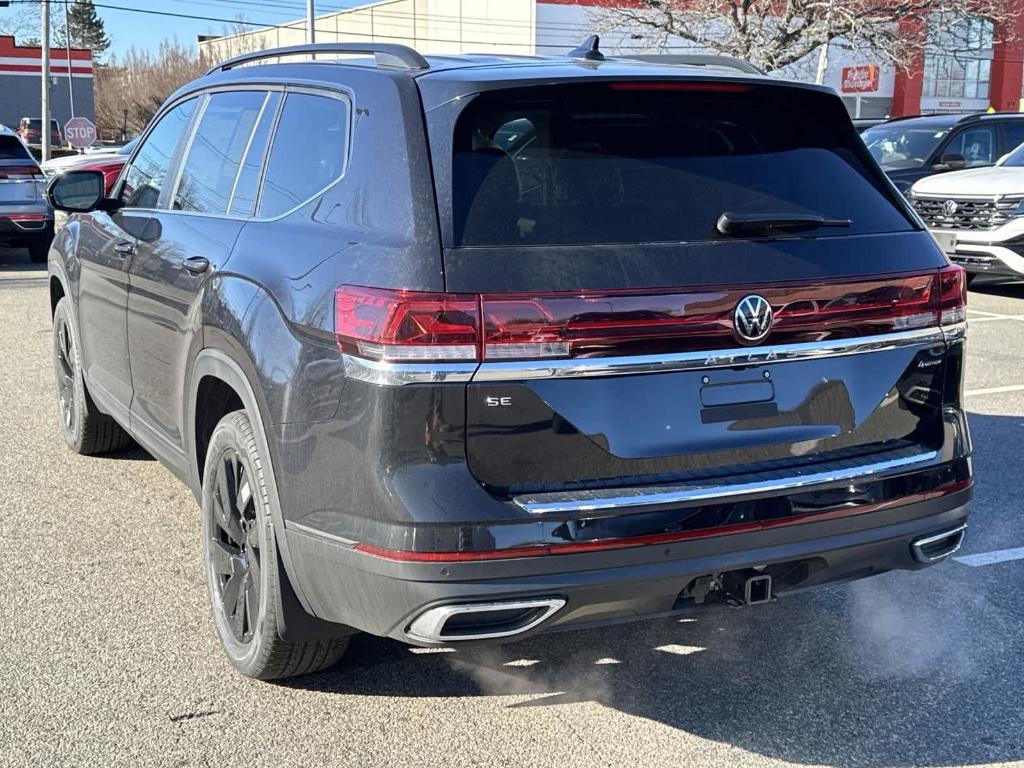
[[80, 132]]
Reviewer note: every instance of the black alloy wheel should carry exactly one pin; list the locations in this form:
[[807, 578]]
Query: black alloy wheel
[[66, 374], [235, 547]]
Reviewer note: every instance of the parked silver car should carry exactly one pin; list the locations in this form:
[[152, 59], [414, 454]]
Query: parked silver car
[[26, 219]]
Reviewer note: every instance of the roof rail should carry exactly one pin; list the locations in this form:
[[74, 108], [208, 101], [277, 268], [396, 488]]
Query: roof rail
[[699, 60], [386, 54]]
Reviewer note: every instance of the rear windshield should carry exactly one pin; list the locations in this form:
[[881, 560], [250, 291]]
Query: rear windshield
[[634, 162], [12, 149]]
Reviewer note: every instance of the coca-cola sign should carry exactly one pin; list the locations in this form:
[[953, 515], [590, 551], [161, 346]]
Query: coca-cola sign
[[862, 79]]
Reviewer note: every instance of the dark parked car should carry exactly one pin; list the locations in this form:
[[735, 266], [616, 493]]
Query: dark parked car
[[26, 220], [910, 148], [506, 345]]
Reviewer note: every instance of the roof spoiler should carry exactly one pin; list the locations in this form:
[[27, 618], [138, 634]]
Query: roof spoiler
[[385, 55]]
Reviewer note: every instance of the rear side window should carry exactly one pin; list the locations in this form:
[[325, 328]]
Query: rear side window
[[208, 175], [147, 174], [12, 149], [308, 152], [635, 162]]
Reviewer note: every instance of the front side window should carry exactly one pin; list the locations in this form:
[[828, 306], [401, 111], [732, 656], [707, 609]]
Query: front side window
[[308, 153], [209, 172], [147, 174], [977, 146], [639, 162]]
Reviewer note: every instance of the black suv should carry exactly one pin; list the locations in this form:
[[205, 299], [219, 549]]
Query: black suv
[[465, 348], [910, 148]]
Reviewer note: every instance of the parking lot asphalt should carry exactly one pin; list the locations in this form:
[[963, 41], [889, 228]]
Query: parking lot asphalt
[[108, 655]]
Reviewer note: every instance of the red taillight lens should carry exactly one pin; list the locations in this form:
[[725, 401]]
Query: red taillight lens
[[952, 295], [413, 326], [21, 172], [406, 325], [26, 217]]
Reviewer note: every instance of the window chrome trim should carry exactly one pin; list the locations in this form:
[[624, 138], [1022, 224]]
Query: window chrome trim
[[573, 502], [688, 361], [389, 374]]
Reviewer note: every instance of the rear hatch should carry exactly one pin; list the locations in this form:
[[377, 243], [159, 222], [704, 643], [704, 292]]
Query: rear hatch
[[21, 180], [680, 278]]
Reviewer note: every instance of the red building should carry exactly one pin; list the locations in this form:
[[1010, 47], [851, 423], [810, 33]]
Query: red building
[[20, 85]]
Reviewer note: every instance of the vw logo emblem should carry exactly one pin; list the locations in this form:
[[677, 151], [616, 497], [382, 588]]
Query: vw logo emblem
[[950, 207], [752, 319]]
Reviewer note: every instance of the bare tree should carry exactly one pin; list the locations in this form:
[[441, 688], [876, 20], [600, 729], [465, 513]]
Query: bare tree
[[130, 89], [776, 33], [21, 24]]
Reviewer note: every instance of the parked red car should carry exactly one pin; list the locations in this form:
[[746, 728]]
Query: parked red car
[[29, 128]]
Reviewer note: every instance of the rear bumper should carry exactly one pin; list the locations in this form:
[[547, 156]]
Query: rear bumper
[[385, 597], [25, 233]]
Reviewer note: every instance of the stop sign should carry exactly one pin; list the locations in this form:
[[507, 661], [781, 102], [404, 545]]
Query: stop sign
[[79, 132]]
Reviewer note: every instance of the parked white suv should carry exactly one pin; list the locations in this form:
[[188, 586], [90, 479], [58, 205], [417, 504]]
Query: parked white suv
[[977, 215]]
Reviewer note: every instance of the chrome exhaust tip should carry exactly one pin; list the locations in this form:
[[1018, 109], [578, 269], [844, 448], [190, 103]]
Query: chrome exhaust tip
[[481, 621], [939, 546]]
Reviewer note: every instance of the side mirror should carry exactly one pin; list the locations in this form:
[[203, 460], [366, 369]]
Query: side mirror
[[950, 163], [78, 192]]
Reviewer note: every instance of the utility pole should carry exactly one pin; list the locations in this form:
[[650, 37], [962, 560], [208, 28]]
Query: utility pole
[[44, 129], [67, 36], [311, 14]]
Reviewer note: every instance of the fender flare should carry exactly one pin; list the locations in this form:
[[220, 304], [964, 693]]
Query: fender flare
[[213, 362]]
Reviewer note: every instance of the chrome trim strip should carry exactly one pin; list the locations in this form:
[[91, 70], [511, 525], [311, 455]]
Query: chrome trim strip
[[688, 361], [317, 533], [916, 546], [388, 374], [955, 331], [566, 502], [429, 626]]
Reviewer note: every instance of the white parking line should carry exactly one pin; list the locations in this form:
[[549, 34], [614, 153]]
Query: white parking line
[[990, 558], [994, 315], [994, 390]]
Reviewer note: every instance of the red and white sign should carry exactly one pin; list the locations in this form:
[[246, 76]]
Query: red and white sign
[[28, 60], [862, 79], [80, 132]]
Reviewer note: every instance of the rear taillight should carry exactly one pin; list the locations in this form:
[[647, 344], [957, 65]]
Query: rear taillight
[[407, 325], [952, 295], [21, 172], [399, 325]]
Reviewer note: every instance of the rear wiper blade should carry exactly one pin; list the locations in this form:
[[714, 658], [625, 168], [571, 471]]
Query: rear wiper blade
[[730, 223]]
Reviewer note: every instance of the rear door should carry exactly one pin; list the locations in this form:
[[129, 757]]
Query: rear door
[[188, 237], [631, 336]]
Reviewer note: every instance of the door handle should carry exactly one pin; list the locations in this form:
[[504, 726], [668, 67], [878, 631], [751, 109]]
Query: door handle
[[125, 248], [196, 265]]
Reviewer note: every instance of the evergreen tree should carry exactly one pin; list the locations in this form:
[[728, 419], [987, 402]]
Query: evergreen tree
[[87, 30]]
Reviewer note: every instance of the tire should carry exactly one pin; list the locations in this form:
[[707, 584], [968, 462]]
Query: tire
[[38, 253], [971, 277], [85, 429], [241, 565]]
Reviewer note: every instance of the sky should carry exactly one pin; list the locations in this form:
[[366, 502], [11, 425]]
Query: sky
[[146, 30]]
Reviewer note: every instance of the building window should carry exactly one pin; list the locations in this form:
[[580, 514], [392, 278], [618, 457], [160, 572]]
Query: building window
[[959, 58]]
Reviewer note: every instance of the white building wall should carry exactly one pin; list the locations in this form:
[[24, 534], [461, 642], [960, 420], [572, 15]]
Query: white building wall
[[429, 26]]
